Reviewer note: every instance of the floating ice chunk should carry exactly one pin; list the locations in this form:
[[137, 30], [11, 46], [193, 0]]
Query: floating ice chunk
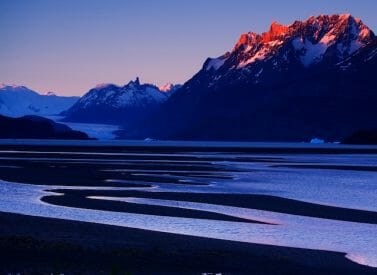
[[317, 141]]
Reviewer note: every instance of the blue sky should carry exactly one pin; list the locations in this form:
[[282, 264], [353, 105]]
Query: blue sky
[[69, 46]]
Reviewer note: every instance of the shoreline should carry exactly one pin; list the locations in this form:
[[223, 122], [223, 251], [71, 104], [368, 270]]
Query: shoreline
[[188, 146], [39, 245]]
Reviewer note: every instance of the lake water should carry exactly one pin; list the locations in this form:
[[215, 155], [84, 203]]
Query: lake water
[[341, 180]]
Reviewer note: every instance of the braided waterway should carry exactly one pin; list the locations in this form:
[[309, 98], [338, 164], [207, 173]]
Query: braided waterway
[[314, 201]]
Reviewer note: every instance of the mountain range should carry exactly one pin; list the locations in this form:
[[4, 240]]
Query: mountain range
[[128, 104], [312, 78], [18, 101]]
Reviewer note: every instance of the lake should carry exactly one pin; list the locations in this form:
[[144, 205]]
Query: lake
[[313, 196]]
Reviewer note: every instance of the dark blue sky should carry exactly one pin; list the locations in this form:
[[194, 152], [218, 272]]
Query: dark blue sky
[[69, 46]]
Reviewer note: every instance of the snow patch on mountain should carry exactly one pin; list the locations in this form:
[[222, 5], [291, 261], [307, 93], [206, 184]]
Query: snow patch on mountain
[[137, 96], [50, 93], [310, 53], [169, 87], [215, 63], [259, 73], [259, 55], [166, 88], [372, 55]]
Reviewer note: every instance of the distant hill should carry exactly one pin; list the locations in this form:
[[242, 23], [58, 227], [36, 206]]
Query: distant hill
[[35, 127]]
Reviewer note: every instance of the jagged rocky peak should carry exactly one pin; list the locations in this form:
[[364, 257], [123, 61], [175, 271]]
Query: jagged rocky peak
[[276, 31], [110, 86], [250, 39], [246, 39], [315, 27], [337, 26], [335, 36], [135, 82]]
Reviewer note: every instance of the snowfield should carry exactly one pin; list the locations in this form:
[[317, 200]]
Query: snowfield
[[18, 101]]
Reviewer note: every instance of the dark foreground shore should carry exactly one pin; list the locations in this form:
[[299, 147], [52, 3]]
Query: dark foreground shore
[[33, 245]]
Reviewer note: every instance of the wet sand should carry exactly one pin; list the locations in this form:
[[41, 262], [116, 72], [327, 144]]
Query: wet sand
[[79, 198], [33, 245]]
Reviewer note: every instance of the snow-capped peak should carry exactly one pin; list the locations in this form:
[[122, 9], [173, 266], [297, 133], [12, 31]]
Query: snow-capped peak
[[133, 94], [19, 100], [11, 86], [335, 36]]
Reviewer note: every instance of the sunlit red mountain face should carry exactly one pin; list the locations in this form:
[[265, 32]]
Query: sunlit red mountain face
[[308, 42], [312, 78]]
